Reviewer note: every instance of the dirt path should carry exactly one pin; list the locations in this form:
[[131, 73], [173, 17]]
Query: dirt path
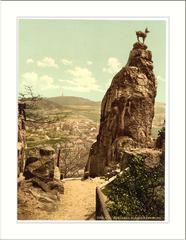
[[78, 201]]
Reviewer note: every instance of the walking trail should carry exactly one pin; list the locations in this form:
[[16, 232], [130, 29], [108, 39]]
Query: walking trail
[[78, 201]]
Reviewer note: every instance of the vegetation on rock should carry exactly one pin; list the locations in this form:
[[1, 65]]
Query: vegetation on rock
[[160, 141], [138, 193]]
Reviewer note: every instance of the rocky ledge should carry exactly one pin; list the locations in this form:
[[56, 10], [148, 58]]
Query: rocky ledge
[[39, 187]]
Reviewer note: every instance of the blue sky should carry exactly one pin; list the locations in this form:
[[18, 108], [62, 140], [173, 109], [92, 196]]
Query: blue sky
[[80, 57]]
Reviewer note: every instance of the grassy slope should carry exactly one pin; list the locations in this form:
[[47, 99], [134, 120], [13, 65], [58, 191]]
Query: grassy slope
[[75, 101]]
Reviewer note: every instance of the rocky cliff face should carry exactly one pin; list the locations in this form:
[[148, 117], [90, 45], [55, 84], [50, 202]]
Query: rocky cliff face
[[39, 185], [127, 111], [21, 144]]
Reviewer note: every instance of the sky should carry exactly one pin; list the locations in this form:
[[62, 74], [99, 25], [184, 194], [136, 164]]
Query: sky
[[80, 57]]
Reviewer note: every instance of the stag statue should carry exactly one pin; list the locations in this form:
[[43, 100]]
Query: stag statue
[[141, 34]]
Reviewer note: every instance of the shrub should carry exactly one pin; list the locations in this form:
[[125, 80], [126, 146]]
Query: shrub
[[138, 193], [160, 141]]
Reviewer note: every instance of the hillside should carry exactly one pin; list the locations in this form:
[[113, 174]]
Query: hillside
[[71, 102], [46, 104], [74, 101], [80, 108], [159, 117], [79, 101]]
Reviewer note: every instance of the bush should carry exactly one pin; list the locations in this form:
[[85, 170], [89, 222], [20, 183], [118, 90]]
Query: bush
[[138, 193], [160, 141]]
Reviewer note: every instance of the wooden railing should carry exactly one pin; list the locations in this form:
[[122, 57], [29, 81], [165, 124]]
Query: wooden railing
[[101, 209]]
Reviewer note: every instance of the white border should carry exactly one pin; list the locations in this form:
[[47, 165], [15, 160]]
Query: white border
[[166, 19], [9, 227]]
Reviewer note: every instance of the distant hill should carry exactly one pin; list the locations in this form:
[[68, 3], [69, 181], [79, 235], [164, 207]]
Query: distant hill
[[159, 117], [160, 107], [78, 107], [159, 112], [46, 104], [79, 101], [73, 101]]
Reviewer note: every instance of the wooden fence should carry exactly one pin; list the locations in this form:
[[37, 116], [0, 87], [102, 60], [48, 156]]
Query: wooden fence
[[101, 209]]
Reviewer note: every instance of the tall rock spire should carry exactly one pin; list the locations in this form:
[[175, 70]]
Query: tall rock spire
[[127, 111]]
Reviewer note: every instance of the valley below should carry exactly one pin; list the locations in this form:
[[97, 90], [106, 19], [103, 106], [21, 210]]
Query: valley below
[[71, 124]]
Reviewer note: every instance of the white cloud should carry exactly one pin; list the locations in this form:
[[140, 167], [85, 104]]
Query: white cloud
[[39, 83], [113, 65], [80, 79], [47, 62], [47, 82], [29, 60], [66, 61], [30, 78], [89, 62]]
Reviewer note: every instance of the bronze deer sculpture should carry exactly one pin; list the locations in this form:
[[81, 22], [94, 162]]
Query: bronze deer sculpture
[[141, 34]]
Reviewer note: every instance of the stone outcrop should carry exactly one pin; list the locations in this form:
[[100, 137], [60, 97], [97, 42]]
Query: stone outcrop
[[40, 169], [152, 157], [127, 111], [41, 164], [39, 185], [21, 144], [40, 191], [35, 200]]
